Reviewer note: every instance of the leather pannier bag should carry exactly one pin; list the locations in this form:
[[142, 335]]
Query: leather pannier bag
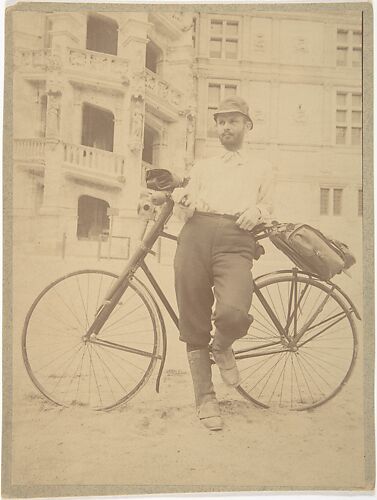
[[311, 251]]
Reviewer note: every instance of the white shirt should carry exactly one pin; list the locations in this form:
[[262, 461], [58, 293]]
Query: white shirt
[[230, 183]]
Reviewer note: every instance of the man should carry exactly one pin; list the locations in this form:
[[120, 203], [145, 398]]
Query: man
[[227, 196]]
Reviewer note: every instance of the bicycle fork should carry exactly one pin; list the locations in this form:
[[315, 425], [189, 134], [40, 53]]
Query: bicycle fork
[[120, 286]]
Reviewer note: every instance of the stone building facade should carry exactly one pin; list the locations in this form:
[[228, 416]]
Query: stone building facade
[[98, 98]]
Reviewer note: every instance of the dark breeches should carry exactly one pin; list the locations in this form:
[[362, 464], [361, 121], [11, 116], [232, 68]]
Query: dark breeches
[[213, 262]]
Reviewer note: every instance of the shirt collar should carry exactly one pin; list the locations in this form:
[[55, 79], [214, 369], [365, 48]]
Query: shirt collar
[[231, 155]]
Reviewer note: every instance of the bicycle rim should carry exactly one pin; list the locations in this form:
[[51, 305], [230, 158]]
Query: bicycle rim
[[71, 372], [275, 373]]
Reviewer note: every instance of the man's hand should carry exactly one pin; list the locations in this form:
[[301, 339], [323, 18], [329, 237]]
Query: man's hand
[[186, 200], [249, 218]]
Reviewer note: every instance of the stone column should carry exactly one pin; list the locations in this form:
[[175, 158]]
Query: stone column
[[67, 29], [132, 46], [201, 130]]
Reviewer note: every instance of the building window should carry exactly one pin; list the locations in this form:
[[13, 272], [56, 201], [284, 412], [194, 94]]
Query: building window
[[331, 201], [348, 118], [93, 221], [349, 48], [223, 41], [48, 34], [194, 31], [43, 114], [337, 201], [97, 128], [153, 57], [216, 93], [102, 35], [360, 202], [150, 146]]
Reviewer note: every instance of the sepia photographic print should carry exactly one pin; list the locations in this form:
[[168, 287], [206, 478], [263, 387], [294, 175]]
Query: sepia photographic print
[[188, 249]]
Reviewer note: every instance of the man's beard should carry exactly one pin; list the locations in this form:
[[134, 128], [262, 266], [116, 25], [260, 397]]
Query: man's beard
[[229, 141]]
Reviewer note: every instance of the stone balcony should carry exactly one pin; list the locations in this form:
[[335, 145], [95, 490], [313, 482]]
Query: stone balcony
[[77, 161], [74, 63], [30, 153], [162, 96], [94, 164]]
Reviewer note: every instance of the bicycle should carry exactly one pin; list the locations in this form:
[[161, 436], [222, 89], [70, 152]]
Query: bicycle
[[92, 338]]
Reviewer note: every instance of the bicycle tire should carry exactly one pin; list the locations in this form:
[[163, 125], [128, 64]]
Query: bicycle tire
[[92, 375], [314, 371]]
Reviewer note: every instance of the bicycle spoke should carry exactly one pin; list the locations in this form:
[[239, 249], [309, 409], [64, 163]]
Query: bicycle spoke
[[67, 366], [104, 364], [308, 370], [67, 369], [281, 302], [57, 318], [70, 309], [120, 319], [51, 361], [321, 332], [79, 378], [82, 301], [254, 309], [281, 376], [94, 373]]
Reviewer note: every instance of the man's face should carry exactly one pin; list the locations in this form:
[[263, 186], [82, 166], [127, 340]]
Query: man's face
[[231, 128]]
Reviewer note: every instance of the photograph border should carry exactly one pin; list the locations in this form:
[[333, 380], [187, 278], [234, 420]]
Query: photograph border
[[17, 491]]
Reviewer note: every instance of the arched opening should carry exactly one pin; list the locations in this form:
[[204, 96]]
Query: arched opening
[[153, 57], [150, 146], [97, 128], [102, 34], [93, 221]]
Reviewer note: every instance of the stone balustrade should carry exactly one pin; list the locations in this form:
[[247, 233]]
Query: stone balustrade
[[74, 156], [29, 149], [35, 59], [88, 60], [162, 89], [72, 59], [94, 160]]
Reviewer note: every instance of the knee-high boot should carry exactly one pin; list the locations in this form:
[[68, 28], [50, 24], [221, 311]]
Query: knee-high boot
[[207, 406]]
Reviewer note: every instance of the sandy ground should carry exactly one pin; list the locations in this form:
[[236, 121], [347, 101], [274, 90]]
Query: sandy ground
[[156, 439]]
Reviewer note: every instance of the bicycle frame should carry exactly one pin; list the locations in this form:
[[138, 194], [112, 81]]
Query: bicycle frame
[[137, 261]]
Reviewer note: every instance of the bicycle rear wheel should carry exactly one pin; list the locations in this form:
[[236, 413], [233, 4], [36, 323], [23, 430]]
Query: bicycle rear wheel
[[71, 371], [293, 372]]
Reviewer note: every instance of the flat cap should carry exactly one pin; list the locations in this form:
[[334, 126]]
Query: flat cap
[[233, 104]]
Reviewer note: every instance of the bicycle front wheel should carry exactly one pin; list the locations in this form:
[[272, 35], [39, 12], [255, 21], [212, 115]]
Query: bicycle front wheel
[[310, 363], [71, 371]]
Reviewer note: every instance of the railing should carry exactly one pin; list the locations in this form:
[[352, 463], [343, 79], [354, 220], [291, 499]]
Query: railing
[[32, 58], [162, 89], [29, 149], [97, 61], [94, 160], [88, 60]]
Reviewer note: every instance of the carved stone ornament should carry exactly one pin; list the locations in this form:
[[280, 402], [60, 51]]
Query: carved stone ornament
[[138, 85], [53, 113], [137, 126], [162, 89], [300, 115], [301, 44], [258, 114], [53, 62], [259, 42]]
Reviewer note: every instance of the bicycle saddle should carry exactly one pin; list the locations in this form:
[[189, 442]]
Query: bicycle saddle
[[160, 179]]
